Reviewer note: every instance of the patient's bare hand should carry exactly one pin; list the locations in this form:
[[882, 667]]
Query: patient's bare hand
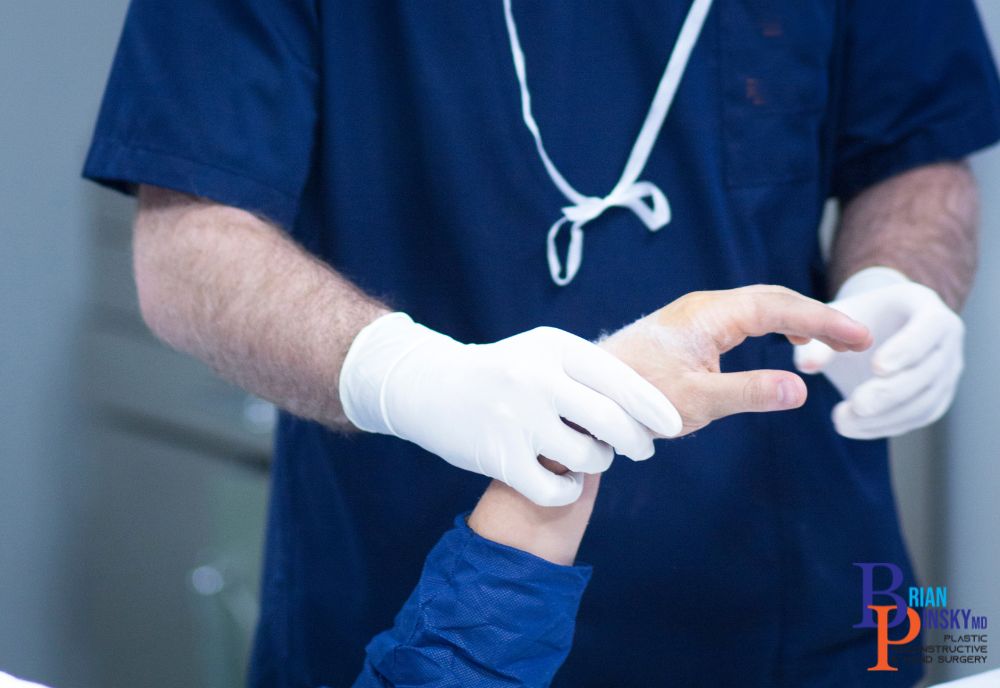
[[677, 348]]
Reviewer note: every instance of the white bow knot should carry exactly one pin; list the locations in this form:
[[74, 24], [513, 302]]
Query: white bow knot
[[655, 215], [629, 192]]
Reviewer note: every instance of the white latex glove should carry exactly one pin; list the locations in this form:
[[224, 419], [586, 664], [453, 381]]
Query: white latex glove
[[8, 681], [908, 378], [494, 408]]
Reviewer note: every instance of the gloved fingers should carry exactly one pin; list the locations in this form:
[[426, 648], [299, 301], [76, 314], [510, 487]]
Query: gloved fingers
[[849, 425], [944, 403], [592, 366], [604, 419], [922, 333], [904, 426], [925, 408], [811, 358], [754, 391], [880, 395], [766, 288], [788, 313], [545, 488], [573, 449]]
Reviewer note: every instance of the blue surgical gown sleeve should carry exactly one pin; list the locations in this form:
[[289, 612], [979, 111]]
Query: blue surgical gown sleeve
[[216, 98], [917, 85], [483, 614]]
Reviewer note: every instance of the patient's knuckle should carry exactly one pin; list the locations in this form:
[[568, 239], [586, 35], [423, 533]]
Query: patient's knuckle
[[748, 309], [754, 394]]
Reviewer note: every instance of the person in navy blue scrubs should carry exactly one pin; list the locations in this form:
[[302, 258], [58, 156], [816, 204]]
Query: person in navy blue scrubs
[[289, 153]]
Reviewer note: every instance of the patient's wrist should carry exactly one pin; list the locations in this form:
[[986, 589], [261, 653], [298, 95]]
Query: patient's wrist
[[551, 533]]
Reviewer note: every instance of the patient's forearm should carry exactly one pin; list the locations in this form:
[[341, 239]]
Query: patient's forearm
[[505, 516]]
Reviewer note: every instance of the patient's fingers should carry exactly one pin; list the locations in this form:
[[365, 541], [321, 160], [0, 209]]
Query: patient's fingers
[[754, 391], [759, 310], [552, 466]]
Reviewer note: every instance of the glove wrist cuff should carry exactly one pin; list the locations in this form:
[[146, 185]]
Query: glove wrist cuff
[[373, 354], [871, 278]]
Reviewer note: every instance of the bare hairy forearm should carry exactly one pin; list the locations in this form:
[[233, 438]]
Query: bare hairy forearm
[[923, 223], [234, 291]]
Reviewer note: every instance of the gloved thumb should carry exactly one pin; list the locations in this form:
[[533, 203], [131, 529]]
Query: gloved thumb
[[813, 357], [545, 488]]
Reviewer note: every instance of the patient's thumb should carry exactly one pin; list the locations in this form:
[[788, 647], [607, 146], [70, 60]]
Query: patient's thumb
[[752, 391], [813, 357]]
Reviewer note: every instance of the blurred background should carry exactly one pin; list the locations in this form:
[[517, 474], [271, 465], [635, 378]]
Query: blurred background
[[133, 483]]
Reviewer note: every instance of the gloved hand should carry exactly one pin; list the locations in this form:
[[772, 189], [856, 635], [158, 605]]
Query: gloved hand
[[8, 681], [908, 379], [677, 348], [494, 408]]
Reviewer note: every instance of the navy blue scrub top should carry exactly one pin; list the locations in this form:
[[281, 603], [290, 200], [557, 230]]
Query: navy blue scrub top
[[386, 137]]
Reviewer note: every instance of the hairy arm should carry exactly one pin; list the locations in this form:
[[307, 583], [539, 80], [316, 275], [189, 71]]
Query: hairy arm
[[922, 223], [234, 291]]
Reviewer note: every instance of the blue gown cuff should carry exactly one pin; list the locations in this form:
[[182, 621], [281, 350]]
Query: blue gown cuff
[[482, 614]]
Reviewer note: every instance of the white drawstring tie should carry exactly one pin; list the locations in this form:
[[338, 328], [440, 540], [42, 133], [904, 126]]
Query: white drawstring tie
[[654, 216], [643, 198]]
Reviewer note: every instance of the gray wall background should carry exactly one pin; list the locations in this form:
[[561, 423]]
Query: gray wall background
[[971, 458], [54, 58], [948, 478], [124, 467]]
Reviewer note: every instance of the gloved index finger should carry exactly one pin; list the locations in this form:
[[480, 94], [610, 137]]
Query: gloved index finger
[[594, 413], [879, 395], [590, 365], [759, 313]]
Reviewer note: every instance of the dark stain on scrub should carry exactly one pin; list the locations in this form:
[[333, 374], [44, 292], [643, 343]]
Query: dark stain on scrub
[[754, 94]]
